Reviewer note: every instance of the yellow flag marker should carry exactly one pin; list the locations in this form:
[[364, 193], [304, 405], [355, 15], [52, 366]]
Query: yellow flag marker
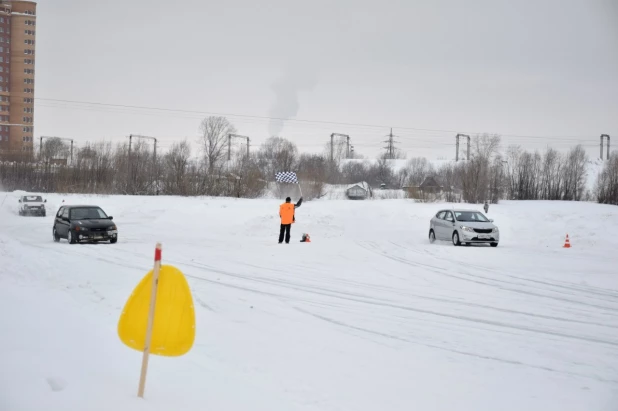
[[159, 316]]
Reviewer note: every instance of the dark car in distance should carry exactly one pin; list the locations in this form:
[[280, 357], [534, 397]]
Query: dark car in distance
[[84, 224]]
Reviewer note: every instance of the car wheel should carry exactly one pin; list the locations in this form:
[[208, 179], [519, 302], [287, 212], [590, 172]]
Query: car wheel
[[55, 235], [456, 241], [70, 237], [494, 244], [432, 236], [113, 240]]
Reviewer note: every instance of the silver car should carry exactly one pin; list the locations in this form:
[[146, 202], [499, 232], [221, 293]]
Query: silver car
[[463, 226]]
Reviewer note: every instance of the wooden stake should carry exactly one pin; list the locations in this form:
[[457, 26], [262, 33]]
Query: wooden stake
[[151, 312]]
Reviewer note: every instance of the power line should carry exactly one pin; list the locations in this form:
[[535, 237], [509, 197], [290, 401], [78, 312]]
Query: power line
[[195, 112]]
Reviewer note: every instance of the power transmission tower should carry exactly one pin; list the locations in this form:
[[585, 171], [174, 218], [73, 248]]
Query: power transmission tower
[[229, 144], [390, 147], [457, 146], [607, 137]]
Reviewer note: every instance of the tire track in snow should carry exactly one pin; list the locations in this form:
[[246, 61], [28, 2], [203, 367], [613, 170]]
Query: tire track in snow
[[594, 291], [611, 310], [466, 353], [456, 302], [367, 300]]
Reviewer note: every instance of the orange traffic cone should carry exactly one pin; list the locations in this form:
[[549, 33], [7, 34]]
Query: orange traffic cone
[[308, 239], [567, 243]]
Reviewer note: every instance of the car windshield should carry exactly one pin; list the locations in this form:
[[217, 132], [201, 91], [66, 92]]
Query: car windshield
[[471, 216], [33, 199], [87, 213]]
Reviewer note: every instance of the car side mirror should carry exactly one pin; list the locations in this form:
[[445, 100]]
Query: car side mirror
[[491, 220], [110, 217], [19, 200], [45, 201]]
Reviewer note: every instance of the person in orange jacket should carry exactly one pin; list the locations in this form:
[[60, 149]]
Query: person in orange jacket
[[286, 212]]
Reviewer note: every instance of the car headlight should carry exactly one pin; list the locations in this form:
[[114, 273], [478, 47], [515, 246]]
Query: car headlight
[[495, 230], [112, 227], [469, 229], [80, 228]]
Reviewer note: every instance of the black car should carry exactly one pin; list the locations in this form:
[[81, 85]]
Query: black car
[[84, 224]]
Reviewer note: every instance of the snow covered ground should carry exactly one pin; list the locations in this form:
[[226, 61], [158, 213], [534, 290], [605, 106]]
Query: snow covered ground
[[368, 316]]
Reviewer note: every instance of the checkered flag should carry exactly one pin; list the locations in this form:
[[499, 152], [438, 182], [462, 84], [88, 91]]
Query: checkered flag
[[286, 177]]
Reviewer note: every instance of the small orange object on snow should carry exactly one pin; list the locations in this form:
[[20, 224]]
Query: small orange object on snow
[[567, 243]]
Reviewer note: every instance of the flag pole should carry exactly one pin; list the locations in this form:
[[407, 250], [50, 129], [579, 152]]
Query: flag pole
[[151, 312]]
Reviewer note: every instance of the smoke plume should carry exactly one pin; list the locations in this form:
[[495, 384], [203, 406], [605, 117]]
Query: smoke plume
[[297, 78]]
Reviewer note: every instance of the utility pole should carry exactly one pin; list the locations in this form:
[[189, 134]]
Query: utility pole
[[607, 137], [229, 144], [332, 145], [457, 146], [390, 148]]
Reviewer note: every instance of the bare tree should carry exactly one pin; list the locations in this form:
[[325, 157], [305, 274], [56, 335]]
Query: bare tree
[[606, 189], [277, 154], [214, 139], [416, 171], [312, 173], [575, 173], [383, 172], [355, 171], [175, 164]]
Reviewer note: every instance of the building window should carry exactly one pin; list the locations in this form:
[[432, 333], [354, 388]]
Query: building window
[[29, 81]]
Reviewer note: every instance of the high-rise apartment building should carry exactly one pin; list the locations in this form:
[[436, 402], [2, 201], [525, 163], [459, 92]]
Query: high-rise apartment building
[[17, 58]]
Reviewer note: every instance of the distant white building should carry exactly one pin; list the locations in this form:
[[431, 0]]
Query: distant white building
[[358, 191]]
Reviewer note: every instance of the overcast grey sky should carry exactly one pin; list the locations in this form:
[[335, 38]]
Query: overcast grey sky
[[544, 69]]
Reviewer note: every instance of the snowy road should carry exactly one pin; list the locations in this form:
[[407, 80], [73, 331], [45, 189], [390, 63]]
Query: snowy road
[[368, 316]]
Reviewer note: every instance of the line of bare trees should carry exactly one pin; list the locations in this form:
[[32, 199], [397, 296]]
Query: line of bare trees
[[103, 168]]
